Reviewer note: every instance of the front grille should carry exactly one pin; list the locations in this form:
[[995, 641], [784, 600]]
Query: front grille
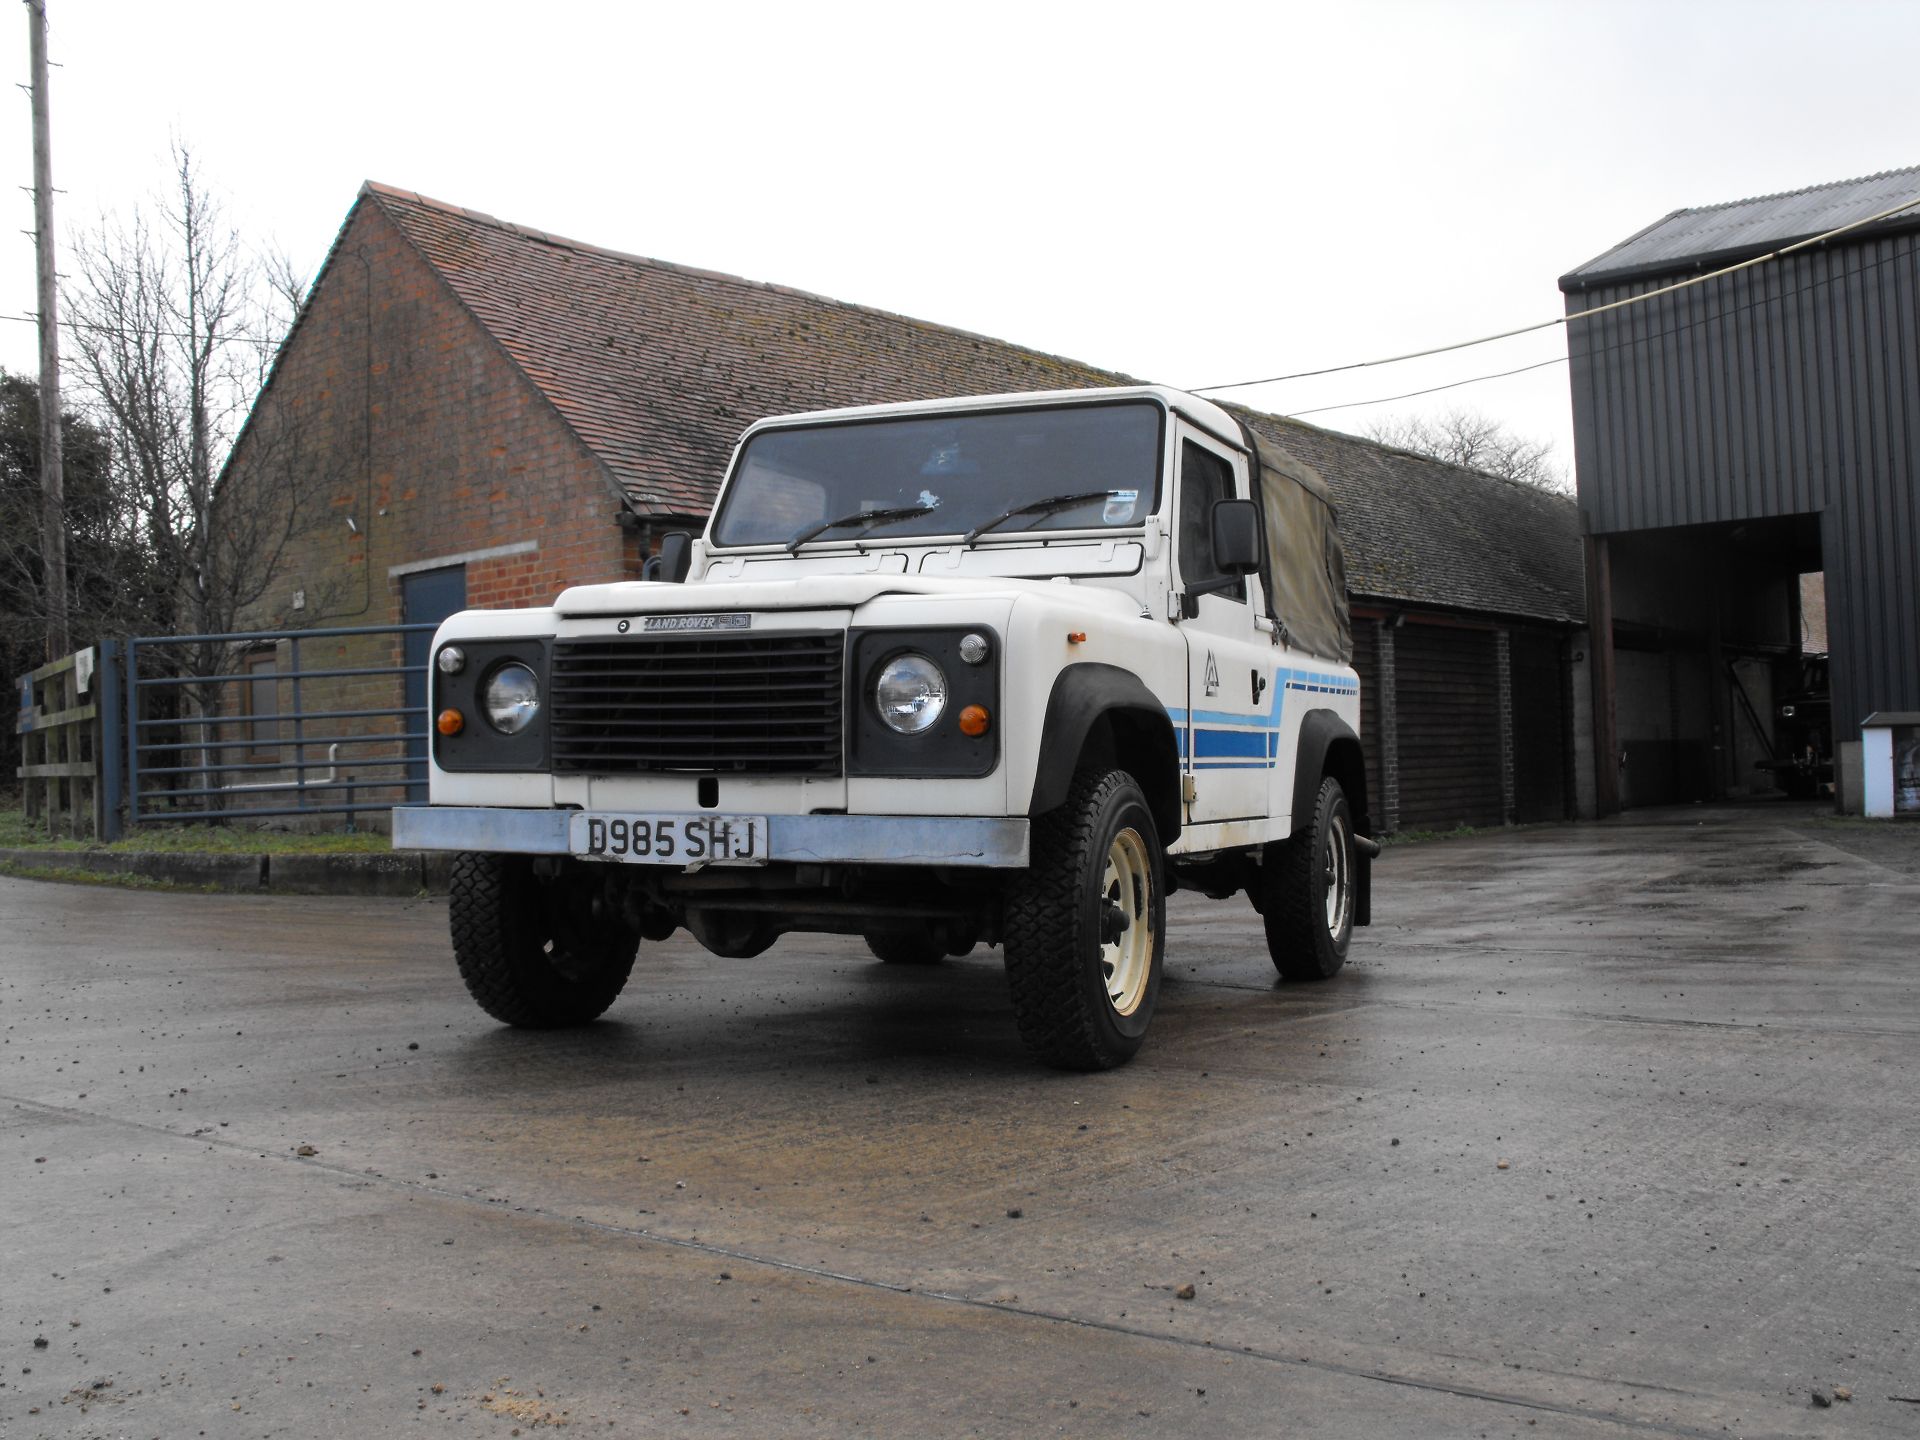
[[746, 704]]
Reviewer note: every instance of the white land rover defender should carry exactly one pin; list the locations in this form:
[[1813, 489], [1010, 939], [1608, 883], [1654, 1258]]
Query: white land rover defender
[[1001, 670]]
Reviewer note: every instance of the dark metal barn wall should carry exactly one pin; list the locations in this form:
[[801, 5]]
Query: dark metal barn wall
[[1449, 724], [1789, 388]]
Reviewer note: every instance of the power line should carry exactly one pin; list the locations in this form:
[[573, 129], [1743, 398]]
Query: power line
[[1361, 364], [1626, 343], [66, 324], [1430, 390], [1384, 360], [1561, 319]]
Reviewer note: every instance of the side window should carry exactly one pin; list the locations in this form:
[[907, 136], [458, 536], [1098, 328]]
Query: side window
[[1204, 478]]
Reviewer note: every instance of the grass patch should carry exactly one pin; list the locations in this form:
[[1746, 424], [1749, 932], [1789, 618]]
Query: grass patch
[[17, 832], [118, 880], [1420, 837]]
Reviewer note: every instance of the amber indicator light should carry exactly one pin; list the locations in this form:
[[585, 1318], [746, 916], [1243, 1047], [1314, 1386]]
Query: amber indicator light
[[974, 720], [1076, 637], [451, 722]]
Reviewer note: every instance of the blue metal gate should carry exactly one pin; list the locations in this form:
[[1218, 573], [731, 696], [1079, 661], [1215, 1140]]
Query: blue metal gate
[[257, 725]]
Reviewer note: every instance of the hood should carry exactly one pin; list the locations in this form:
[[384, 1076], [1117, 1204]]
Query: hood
[[809, 592]]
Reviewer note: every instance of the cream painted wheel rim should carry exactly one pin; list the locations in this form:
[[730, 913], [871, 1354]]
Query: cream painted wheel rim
[[1338, 870], [1127, 960]]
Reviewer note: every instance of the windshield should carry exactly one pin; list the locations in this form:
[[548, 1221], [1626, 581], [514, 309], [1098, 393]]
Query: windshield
[[947, 474]]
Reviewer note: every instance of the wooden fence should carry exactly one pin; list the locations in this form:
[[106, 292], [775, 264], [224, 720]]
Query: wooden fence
[[60, 746]]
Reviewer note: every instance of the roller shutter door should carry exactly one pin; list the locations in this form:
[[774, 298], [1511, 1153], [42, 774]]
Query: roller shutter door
[[1449, 727], [1539, 728], [1366, 662]]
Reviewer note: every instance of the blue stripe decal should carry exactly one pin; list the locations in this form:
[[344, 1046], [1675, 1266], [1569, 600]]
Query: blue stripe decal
[[1307, 682], [1229, 744], [1250, 742]]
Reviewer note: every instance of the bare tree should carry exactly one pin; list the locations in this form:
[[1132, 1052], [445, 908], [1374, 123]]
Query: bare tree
[[176, 324], [1478, 442]]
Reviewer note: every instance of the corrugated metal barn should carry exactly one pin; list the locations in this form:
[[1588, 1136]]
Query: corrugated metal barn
[[1731, 437]]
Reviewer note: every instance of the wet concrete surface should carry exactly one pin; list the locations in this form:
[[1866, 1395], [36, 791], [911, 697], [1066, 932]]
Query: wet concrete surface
[[810, 1194]]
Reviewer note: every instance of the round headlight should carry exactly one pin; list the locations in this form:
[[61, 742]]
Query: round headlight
[[452, 660], [512, 699], [910, 693]]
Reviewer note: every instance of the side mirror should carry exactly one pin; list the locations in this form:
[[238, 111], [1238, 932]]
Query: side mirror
[[675, 557], [1236, 537], [1236, 551]]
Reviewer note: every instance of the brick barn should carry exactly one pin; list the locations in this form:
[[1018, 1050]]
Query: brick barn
[[497, 413]]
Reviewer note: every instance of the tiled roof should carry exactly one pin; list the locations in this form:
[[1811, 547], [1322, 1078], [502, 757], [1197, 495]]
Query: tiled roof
[[659, 367], [1425, 533], [1686, 237]]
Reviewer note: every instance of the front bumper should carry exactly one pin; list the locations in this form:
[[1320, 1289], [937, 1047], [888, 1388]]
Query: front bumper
[[986, 842]]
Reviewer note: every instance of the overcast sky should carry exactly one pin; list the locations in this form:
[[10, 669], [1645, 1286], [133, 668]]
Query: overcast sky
[[1192, 194]]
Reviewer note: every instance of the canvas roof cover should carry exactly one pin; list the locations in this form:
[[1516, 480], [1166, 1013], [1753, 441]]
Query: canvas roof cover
[[1306, 569]]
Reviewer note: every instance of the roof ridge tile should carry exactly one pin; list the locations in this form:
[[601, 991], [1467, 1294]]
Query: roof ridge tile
[[585, 247]]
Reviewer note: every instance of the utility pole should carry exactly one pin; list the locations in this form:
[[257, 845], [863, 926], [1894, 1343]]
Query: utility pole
[[53, 509]]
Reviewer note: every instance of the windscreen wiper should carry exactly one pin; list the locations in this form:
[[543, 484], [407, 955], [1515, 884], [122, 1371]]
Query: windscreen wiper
[[872, 517], [1040, 507]]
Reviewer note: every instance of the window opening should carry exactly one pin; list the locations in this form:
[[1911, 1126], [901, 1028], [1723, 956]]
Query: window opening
[[1204, 478]]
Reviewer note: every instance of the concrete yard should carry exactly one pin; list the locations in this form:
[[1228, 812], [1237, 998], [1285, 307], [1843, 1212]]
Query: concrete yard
[[1605, 1130]]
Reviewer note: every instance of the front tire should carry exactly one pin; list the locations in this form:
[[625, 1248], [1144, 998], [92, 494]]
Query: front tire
[[1086, 926], [1309, 891], [537, 952]]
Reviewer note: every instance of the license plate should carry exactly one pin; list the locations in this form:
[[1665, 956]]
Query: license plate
[[670, 839]]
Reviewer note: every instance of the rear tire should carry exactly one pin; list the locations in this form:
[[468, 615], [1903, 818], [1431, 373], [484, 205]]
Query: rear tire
[[538, 953], [1308, 884], [1086, 926]]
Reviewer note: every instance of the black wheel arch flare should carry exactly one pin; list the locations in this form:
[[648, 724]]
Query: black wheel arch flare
[[1105, 713]]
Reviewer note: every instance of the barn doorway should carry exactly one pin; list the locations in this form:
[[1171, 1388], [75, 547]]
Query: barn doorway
[[1710, 647]]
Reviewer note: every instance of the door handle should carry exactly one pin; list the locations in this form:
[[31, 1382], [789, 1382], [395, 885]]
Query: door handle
[[1259, 684]]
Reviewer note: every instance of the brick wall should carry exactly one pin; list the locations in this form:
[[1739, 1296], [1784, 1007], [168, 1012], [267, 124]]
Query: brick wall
[[413, 424], [402, 415]]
